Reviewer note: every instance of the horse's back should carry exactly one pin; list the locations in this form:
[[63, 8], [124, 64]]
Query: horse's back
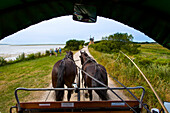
[[55, 73], [90, 69], [97, 71]]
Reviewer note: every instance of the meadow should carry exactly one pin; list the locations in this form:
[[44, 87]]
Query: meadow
[[154, 62], [34, 73]]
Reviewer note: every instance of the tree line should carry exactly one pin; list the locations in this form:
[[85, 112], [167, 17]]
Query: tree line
[[116, 42]]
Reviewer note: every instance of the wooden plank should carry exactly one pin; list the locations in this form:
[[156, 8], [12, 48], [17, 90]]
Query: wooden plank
[[81, 106], [76, 104], [92, 112]]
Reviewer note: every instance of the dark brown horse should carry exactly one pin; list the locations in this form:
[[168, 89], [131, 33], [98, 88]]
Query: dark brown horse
[[95, 70], [64, 72]]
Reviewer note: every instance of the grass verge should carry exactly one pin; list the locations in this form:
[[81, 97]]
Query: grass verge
[[154, 64], [29, 74]]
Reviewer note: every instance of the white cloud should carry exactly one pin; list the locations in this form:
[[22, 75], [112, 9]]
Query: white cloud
[[59, 30]]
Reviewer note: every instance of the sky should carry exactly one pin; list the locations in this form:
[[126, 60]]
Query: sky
[[61, 29]]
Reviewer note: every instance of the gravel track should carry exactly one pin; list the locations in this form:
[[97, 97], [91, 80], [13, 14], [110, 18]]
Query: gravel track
[[49, 96]]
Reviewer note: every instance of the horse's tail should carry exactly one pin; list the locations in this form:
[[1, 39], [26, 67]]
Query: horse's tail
[[102, 77], [60, 81]]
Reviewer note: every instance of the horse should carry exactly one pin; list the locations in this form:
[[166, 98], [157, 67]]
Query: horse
[[64, 72], [97, 71]]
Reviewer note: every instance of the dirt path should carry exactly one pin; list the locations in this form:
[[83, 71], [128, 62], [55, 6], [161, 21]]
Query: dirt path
[[50, 95]]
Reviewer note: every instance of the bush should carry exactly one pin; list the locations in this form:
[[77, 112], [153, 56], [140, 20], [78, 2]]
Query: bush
[[133, 48], [2, 61], [38, 55], [80, 47], [21, 57], [47, 53], [74, 44], [86, 43], [117, 42], [30, 56]]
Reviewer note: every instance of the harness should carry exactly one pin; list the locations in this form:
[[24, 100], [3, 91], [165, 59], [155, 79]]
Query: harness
[[89, 59], [68, 57]]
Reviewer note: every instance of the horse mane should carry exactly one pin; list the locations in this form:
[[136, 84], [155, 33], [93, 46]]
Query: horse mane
[[69, 55]]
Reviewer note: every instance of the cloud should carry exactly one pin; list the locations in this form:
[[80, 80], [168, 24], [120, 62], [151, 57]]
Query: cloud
[[59, 30]]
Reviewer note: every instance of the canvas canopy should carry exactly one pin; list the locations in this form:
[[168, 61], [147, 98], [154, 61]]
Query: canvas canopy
[[152, 17]]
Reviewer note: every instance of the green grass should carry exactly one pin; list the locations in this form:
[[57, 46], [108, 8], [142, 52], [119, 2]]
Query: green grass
[[29, 74], [155, 50], [154, 63]]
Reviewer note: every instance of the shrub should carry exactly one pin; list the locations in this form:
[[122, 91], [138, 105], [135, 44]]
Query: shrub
[[74, 44], [30, 56], [2, 61], [38, 55], [133, 48], [21, 57], [47, 53], [86, 43], [80, 47]]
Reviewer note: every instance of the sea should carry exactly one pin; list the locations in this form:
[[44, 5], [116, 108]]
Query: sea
[[11, 52]]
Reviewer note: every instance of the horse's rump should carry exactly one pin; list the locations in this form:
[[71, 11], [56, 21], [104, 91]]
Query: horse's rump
[[64, 72], [61, 73], [70, 72], [101, 75], [97, 71]]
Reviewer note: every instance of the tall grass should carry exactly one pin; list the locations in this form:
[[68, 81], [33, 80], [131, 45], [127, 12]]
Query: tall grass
[[158, 73]]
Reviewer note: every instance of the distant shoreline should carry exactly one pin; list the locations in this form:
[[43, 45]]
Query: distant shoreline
[[11, 52]]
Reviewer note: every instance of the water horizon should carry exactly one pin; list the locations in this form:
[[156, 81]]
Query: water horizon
[[28, 44], [11, 52]]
